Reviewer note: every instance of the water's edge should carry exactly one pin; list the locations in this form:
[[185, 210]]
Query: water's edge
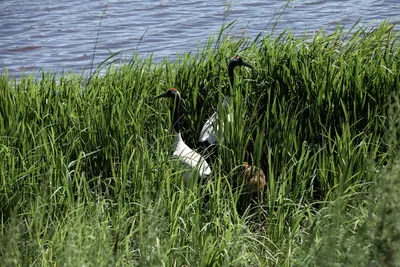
[[56, 36]]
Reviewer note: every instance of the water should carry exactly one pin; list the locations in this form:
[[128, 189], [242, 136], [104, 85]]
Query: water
[[61, 35]]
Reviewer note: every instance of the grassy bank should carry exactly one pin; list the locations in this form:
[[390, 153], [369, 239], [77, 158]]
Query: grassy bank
[[86, 176]]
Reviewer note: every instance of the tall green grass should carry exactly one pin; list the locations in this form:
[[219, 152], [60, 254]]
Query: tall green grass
[[87, 178]]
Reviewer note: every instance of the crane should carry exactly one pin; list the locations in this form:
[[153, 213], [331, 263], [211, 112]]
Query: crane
[[192, 160], [208, 134]]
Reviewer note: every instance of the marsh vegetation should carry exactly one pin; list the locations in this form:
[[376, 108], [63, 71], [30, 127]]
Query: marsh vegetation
[[85, 166]]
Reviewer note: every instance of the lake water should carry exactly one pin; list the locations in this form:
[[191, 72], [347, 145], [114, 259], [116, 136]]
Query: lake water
[[61, 35]]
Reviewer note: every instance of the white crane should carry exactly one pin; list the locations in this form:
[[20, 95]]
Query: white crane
[[192, 160], [208, 134]]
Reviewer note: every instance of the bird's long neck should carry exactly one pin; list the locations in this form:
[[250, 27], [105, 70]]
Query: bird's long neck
[[175, 115], [179, 144], [231, 68]]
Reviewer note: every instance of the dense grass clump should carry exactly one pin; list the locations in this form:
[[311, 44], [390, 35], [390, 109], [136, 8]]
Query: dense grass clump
[[87, 178]]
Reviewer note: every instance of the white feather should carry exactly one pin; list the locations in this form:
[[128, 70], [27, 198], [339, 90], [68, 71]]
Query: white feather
[[211, 127], [190, 159]]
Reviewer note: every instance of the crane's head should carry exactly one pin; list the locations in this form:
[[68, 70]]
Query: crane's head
[[238, 61], [176, 97], [171, 93]]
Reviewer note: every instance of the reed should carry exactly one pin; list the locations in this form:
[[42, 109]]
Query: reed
[[87, 178]]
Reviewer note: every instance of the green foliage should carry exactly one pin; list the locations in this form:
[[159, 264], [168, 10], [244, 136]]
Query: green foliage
[[87, 178]]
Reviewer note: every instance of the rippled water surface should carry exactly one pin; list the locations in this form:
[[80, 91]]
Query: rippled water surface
[[61, 35]]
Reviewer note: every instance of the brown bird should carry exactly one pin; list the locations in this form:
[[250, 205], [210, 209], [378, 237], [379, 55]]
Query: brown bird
[[254, 179]]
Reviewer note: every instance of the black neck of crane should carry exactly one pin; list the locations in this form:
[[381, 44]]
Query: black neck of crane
[[231, 74], [175, 113]]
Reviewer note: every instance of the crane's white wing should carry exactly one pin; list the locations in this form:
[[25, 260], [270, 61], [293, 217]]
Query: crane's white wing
[[210, 129], [192, 160]]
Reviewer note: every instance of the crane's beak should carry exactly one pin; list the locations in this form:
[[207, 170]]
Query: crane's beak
[[160, 96], [248, 65]]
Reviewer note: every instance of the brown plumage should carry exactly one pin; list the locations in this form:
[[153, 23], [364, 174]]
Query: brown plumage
[[253, 181], [254, 177]]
